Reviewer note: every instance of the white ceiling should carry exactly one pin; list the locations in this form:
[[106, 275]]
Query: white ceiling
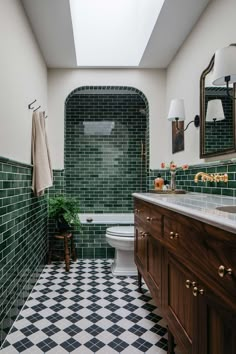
[[52, 25]]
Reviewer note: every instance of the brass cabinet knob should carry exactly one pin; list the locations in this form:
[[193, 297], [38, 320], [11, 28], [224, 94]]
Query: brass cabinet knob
[[143, 234], [222, 271], [189, 283], [174, 235], [148, 218], [197, 291]]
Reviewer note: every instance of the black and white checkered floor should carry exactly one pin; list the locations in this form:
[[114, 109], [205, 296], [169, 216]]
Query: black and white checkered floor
[[87, 310]]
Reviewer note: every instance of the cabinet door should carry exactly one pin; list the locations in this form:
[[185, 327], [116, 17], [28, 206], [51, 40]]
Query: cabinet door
[[179, 304], [140, 248], [154, 257], [217, 325]]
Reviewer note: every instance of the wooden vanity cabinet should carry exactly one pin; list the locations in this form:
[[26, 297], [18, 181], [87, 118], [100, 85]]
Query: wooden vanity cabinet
[[148, 230], [216, 325], [182, 266]]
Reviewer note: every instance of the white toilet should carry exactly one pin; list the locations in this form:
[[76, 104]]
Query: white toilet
[[122, 239]]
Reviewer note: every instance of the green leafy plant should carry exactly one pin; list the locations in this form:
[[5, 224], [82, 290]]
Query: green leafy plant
[[65, 211]]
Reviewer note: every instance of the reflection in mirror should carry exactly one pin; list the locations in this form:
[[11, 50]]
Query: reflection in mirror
[[217, 116], [214, 111]]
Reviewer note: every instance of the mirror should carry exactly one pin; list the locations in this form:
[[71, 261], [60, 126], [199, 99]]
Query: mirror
[[217, 116]]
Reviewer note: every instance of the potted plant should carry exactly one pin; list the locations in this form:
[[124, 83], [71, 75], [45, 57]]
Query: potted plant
[[65, 212]]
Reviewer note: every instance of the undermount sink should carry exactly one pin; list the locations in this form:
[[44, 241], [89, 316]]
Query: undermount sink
[[227, 208]]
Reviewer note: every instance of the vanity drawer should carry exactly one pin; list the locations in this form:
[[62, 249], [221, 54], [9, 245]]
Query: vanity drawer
[[150, 217], [209, 251], [184, 241], [141, 210]]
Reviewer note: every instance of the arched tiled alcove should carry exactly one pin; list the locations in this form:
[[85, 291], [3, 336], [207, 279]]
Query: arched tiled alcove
[[106, 155]]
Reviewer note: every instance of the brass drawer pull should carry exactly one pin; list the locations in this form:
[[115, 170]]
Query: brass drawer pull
[[137, 211], [190, 283], [174, 235], [197, 291], [143, 234], [222, 271], [149, 219]]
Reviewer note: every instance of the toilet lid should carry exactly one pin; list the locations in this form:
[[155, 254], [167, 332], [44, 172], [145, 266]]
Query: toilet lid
[[122, 231]]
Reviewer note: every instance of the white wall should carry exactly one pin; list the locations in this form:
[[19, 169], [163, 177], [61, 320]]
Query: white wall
[[23, 78], [215, 29], [62, 82]]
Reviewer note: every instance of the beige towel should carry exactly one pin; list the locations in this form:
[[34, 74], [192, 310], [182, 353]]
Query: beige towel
[[42, 170]]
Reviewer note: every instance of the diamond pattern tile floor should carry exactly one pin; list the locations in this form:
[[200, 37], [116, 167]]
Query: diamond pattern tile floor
[[87, 310]]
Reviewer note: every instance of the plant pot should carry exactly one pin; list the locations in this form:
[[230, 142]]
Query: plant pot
[[62, 225]]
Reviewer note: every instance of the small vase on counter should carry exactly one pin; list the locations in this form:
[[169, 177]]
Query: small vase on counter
[[172, 180]]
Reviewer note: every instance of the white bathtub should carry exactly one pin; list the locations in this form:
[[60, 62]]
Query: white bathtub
[[126, 218]]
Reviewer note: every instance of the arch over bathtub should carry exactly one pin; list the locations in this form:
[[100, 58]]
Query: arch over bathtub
[[90, 113], [113, 89], [105, 165]]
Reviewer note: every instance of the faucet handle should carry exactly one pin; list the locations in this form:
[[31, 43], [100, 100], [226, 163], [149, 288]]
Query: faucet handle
[[225, 178]]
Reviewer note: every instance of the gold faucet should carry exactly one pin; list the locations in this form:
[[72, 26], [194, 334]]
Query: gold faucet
[[214, 177]]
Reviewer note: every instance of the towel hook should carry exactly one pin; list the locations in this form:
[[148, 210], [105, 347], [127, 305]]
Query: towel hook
[[44, 114], [36, 108], [29, 105]]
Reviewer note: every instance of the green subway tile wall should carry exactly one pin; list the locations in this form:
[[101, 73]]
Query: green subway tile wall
[[185, 179], [23, 239], [103, 137], [91, 242], [58, 183], [104, 130]]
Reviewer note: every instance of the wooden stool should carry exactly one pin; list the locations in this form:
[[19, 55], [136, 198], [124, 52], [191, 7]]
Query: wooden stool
[[66, 237]]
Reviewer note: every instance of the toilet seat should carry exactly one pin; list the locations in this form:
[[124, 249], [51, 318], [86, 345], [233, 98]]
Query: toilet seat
[[121, 231]]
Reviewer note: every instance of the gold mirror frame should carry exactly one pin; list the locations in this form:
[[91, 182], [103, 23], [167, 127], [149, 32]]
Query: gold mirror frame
[[203, 153]]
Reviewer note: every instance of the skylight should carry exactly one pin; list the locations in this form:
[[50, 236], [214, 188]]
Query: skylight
[[112, 32]]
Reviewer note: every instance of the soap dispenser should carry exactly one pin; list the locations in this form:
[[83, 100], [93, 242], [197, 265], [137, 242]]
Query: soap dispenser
[[159, 182]]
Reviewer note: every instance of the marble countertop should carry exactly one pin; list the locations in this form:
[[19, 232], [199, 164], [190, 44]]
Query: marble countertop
[[199, 206]]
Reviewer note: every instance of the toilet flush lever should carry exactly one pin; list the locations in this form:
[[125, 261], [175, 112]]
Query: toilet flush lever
[[89, 219]]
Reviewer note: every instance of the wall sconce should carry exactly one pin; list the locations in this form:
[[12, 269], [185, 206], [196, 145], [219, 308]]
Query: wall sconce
[[224, 71], [177, 113], [214, 111]]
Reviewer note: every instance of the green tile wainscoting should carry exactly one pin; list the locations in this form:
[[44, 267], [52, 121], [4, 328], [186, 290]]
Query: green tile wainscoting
[[185, 179], [91, 242], [23, 239]]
